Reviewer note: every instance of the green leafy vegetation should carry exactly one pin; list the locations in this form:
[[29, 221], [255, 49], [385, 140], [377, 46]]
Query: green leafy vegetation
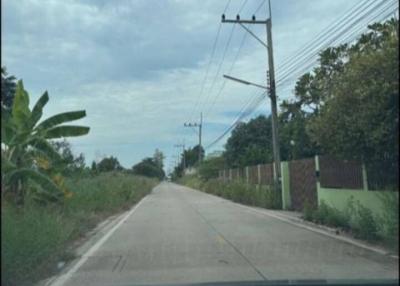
[[49, 197], [151, 167], [107, 164], [34, 238], [26, 154], [359, 220], [236, 191]]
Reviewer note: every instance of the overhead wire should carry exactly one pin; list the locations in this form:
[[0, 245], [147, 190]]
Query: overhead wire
[[235, 58], [343, 31], [214, 46], [348, 33], [327, 40], [251, 105]]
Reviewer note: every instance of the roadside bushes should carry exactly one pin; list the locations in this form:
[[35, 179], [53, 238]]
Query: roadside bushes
[[237, 191], [359, 220], [35, 237]]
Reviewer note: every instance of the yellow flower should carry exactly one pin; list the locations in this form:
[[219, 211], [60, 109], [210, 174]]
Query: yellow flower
[[43, 163], [59, 181]]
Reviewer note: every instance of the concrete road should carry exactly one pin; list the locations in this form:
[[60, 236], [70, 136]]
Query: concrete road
[[179, 235]]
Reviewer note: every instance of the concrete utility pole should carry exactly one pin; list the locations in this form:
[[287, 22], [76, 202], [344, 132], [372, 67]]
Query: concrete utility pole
[[271, 85], [183, 154], [199, 132]]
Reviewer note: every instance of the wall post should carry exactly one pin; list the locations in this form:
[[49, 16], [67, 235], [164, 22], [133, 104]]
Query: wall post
[[285, 178], [364, 177], [317, 174], [259, 175], [230, 174], [246, 169]]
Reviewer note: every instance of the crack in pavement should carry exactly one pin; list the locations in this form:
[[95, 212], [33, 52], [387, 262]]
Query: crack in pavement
[[225, 239]]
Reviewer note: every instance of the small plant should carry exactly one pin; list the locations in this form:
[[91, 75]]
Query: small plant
[[389, 221], [308, 211], [366, 226]]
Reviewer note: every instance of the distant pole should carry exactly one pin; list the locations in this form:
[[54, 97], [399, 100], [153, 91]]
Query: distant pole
[[200, 125], [183, 154]]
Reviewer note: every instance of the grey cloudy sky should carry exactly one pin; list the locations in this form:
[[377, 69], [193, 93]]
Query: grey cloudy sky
[[137, 67]]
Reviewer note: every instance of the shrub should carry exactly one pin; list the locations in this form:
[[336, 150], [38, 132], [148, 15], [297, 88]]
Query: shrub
[[365, 226], [325, 214], [308, 211], [209, 168], [34, 237], [389, 221]]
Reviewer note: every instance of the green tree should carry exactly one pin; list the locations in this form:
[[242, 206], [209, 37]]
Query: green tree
[[209, 168], [150, 168], [359, 119], [192, 156], [158, 158], [69, 163], [8, 87], [108, 164], [27, 156], [250, 143]]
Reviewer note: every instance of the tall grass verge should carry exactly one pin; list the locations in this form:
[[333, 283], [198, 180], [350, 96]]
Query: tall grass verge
[[237, 191], [35, 237]]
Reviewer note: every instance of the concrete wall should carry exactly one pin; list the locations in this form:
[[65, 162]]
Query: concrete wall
[[338, 198]]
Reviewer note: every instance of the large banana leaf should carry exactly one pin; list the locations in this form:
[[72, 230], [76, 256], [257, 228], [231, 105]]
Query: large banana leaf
[[61, 118], [6, 165], [42, 146], [26, 173], [66, 131], [20, 109], [37, 110], [8, 130]]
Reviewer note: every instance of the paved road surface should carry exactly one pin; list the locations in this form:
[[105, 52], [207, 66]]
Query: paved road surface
[[178, 235]]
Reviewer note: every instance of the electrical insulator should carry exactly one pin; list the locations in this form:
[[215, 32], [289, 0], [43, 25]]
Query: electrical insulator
[[254, 17], [237, 17], [223, 17]]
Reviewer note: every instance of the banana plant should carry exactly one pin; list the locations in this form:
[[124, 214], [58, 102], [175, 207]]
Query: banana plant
[[25, 143]]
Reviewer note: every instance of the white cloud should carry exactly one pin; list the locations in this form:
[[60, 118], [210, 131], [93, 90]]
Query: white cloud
[[136, 67]]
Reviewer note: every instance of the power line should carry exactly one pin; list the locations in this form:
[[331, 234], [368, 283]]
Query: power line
[[229, 71], [341, 38], [344, 29], [214, 46], [326, 40], [251, 105], [319, 36]]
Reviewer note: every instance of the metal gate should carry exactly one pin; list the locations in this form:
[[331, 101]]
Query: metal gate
[[303, 183]]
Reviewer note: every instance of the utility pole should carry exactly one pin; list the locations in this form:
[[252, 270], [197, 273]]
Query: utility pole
[[199, 132], [270, 83], [183, 154]]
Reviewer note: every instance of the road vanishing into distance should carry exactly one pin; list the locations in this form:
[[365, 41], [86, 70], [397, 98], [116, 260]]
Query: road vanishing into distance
[[180, 235]]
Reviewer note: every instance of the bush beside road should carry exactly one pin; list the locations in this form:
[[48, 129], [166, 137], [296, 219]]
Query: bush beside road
[[36, 237]]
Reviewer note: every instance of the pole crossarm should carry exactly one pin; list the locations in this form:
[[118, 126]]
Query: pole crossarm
[[244, 21], [253, 21]]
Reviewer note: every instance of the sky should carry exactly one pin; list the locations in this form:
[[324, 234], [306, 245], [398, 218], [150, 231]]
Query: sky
[[138, 67]]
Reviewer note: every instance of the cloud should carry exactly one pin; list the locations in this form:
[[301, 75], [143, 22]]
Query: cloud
[[137, 67]]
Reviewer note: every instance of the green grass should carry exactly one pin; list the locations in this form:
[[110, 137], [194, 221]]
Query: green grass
[[360, 221], [237, 191], [34, 238]]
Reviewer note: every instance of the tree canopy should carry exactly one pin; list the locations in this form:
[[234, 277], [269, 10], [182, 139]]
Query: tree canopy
[[150, 168], [347, 106]]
